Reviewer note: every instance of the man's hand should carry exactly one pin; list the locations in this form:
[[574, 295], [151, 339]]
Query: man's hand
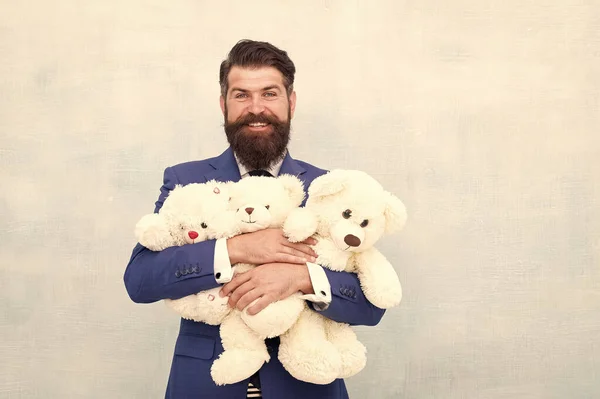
[[270, 282], [269, 246]]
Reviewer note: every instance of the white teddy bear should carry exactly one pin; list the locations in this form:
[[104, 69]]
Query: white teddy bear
[[202, 211], [346, 212], [190, 214], [258, 203]]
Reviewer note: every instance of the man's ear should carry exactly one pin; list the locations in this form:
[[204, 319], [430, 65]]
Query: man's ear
[[222, 104], [292, 104]]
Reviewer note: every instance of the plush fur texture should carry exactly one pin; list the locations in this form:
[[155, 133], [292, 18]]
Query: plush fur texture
[[347, 212], [190, 214], [258, 202], [203, 211]]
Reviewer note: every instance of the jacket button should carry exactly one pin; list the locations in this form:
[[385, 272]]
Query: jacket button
[[177, 274]]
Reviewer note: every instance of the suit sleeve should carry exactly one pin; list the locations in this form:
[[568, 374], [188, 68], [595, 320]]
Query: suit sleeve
[[173, 272], [348, 303]]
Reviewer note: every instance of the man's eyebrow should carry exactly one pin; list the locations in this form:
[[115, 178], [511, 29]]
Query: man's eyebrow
[[272, 87]]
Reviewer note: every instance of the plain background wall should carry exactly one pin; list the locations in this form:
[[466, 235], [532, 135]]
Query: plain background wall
[[483, 116]]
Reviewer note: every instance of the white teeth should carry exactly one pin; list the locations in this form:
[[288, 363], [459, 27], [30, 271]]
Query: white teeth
[[257, 124]]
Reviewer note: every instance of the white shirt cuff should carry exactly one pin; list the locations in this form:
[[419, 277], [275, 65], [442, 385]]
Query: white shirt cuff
[[222, 267], [322, 296]]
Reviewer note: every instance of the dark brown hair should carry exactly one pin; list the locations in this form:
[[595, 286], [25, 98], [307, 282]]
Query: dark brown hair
[[252, 54]]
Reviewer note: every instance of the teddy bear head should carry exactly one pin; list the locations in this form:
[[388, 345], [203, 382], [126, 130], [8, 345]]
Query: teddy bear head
[[261, 202], [192, 213], [353, 209]]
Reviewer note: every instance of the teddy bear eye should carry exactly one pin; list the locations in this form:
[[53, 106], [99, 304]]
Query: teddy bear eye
[[182, 227], [203, 225], [364, 223], [347, 214], [267, 206]]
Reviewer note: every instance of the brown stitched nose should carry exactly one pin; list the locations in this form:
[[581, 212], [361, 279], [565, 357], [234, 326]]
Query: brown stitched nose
[[351, 240], [249, 211]]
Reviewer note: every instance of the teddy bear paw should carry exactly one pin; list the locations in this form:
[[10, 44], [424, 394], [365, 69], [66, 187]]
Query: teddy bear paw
[[317, 364], [235, 365], [354, 359]]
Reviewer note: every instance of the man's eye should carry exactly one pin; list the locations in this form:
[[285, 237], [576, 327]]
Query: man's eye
[[270, 94], [241, 95]]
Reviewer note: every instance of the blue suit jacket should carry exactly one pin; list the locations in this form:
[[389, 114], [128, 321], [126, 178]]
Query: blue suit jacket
[[180, 271]]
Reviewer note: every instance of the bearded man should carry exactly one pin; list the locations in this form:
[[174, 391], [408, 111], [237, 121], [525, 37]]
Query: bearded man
[[258, 102]]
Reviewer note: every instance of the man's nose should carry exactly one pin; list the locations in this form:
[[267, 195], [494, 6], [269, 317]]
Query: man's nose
[[256, 106]]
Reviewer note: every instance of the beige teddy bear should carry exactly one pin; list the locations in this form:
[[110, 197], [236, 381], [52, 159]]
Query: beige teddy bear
[[202, 211], [347, 212], [190, 214], [258, 203]]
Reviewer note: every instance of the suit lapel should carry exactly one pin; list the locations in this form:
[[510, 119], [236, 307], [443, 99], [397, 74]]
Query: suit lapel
[[291, 167], [225, 168]]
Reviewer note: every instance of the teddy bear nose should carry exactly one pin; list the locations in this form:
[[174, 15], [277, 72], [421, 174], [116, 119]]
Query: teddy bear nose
[[192, 234], [249, 211], [351, 240]]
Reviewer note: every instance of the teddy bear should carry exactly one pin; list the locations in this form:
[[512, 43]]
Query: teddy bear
[[202, 211], [258, 202], [190, 214], [347, 212]]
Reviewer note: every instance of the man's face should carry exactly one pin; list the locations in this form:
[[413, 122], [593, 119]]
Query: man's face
[[257, 113]]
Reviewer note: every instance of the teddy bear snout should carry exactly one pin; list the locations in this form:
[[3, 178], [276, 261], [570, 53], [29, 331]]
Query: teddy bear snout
[[249, 211], [192, 234], [352, 240]]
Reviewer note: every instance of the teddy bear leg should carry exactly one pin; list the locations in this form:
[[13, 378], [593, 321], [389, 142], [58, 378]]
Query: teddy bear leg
[[205, 306], [353, 353], [306, 353], [276, 318], [245, 352]]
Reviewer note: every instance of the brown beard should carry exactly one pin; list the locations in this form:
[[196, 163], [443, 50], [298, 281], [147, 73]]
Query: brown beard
[[258, 150]]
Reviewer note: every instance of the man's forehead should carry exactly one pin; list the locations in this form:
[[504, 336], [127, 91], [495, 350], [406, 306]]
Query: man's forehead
[[254, 78]]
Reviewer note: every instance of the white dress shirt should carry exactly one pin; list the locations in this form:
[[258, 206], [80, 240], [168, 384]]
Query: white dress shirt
[[224, 273]]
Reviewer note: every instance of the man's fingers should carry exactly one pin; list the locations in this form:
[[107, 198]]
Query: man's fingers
[[300, 251], [240, 292], [287, 258], [235, 282], [248, 298], [260, 304], [302, 248], [310, 241]]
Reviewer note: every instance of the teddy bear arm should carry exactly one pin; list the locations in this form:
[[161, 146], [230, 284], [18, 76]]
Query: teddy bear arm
[[330, 256], [153, 233], [378, 279], [276, 318], [300, 224]]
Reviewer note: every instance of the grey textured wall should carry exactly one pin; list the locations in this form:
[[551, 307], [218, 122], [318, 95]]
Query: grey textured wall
[[483, 116]]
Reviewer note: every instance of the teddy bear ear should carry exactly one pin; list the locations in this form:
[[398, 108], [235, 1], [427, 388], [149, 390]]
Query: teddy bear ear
[[294, 188], [328, 184], [395, 213]]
